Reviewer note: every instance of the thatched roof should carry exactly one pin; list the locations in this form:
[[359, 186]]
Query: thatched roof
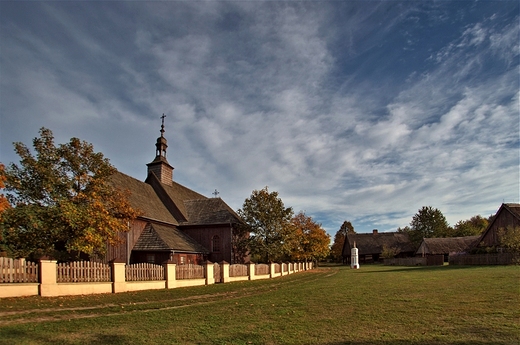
[[372, 243], [157, 237], [447, 245]]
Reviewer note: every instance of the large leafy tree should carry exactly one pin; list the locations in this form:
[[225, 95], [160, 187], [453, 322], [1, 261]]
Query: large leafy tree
[[336, 250], [269, 224], [309, 240], [428, 222], [470, 227], [63, 203]]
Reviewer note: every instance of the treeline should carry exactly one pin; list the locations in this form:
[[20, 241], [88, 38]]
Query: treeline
[[428, 222]]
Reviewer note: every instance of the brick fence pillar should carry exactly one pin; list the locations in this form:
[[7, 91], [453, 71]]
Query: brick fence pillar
[[224, 271], [48, 277], [118, 276], [210, 271], [170, 274]]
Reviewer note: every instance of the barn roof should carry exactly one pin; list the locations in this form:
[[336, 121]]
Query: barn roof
[[372, 243], [447, 245], [158, 237]]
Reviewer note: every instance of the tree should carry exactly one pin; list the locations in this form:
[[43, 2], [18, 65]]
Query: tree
[[471, 227], [509, 239], [269, 224], [309, 240], [389, 252], [63, 203], [336, 249], [4, 204], [426, 223]]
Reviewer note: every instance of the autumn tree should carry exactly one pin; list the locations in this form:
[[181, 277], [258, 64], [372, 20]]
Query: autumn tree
[[471, 227], [336, 249], [63, 203], [426, 223], [309, 241], [269, 224]]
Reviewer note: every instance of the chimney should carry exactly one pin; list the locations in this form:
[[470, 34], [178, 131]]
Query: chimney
[[374, 232]]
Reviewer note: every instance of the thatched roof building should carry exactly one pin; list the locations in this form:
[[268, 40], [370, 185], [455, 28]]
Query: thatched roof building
[[370, 246], [447, 245]]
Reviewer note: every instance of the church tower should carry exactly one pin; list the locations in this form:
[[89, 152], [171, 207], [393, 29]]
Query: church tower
[[160, 166]]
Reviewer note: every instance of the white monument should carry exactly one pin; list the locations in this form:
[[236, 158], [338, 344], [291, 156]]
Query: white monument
[[354, 257]]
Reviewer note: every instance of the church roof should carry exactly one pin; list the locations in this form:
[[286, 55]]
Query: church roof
[[143, 197], [158, 237], [209, 211]]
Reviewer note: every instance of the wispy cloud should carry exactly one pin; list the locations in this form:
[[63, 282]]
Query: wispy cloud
[[365, 113]]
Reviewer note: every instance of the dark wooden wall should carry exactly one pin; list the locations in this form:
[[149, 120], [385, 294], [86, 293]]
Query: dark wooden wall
[[204, 236], [503, 219]]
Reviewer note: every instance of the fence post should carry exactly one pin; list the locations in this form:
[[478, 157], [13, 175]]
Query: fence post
[[251, 270], [224, 271], [271, 269], [170, 272], [48, 277], [210, 277], [118, 275]]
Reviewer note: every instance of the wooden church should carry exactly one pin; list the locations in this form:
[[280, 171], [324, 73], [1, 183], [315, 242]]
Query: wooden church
[[176, 223]]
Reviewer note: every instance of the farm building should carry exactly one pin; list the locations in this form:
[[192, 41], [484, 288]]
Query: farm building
[[370, 246], [447, 246], [176, 223], [508, 215]]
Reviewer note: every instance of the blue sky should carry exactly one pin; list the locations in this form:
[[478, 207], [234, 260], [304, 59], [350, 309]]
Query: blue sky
[[351, 110]]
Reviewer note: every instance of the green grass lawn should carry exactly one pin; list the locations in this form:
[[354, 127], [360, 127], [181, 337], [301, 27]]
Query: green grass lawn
[[330, 305]]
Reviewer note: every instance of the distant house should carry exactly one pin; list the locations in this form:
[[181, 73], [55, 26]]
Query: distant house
[[370, 246], [508, 215], [176, 223], [447, 246]]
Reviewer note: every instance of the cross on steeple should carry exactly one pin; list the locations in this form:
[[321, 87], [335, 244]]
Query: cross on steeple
[[215, 193], [162, 125]]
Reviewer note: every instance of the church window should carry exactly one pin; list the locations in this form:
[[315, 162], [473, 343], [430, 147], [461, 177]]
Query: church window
[[216, 243]]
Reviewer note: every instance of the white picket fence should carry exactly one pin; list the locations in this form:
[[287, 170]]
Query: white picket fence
[[83, 271]]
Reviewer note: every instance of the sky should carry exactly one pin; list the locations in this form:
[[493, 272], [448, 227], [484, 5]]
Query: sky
[[363, 111]]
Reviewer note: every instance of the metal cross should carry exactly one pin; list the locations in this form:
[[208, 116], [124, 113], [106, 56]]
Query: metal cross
[[216, 193]]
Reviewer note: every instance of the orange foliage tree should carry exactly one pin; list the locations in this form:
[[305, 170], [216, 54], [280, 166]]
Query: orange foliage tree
[[309, 241], [62, 201]]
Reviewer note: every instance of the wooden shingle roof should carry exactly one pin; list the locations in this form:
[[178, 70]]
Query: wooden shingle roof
[[447, 245], [144, 198], [158, 237], [209, 211]]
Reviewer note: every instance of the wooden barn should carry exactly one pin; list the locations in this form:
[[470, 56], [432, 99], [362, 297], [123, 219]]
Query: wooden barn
[[447, 246], [176, 223], [508, 215], [370, 246]]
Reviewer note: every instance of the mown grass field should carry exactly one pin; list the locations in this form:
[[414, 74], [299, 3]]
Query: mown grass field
[[331, 305]]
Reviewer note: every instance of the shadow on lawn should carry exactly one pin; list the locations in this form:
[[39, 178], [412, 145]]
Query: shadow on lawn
[[409, 268], [407, 342], [20, 337]]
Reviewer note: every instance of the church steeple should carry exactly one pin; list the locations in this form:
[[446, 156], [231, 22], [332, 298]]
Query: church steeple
[[160, 166]]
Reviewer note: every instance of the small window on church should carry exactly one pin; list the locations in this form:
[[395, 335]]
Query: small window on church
[[150, 258], [216, 243]]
